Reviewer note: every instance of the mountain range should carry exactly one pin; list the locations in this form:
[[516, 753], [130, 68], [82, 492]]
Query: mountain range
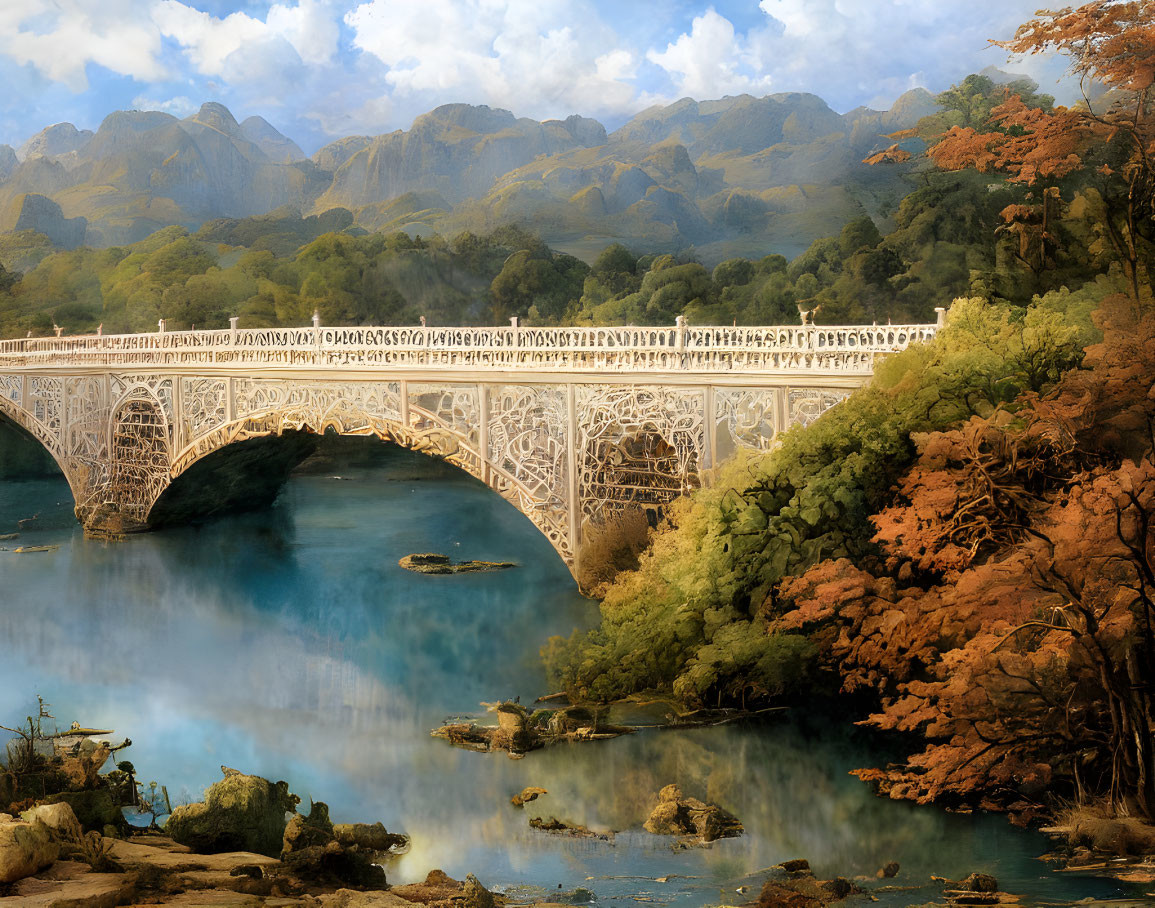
[[735, 176]]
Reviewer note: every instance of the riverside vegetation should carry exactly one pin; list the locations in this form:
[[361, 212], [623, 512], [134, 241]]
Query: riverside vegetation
[[964, 551]]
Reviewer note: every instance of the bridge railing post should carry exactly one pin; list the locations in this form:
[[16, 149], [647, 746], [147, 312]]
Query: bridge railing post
[[514, 322]]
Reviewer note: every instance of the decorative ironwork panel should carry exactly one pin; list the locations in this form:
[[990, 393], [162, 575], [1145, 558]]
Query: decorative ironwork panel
[[637, 445], [452, 406], [205, 405], [527, 455], [744, 418], [346, 406], [12, 387], [140, 457], [805, 406], [86, 421], [46, 399], [527, 438]]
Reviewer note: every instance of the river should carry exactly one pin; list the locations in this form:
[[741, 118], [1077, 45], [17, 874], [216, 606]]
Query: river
[[288, 643]]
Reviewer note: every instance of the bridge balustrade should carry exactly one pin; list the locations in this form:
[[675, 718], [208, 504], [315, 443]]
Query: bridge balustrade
[[839, 349]]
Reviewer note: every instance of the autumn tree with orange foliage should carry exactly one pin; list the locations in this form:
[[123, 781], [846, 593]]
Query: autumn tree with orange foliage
[[1109, 141], [1013, 625]]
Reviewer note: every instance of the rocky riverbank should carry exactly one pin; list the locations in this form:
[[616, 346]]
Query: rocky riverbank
[[244, 845]]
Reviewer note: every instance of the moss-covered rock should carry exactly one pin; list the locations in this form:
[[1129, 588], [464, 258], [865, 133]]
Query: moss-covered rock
[[94, 809], [239, 813], [675, 815], [370, 837]]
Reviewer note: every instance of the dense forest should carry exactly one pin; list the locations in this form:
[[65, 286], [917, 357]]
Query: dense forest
[[963, 551], [950, 238]]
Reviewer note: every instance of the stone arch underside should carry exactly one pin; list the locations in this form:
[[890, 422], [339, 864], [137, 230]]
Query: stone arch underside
[[45, 426], [519, 454]]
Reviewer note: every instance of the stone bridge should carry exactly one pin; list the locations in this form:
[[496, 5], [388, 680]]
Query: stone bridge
[[569, 424]]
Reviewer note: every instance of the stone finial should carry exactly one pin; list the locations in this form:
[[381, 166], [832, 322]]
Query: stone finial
[[423, 321], [316, 318]]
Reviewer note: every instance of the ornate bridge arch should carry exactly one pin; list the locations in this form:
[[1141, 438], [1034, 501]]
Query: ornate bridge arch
[[368, 412]]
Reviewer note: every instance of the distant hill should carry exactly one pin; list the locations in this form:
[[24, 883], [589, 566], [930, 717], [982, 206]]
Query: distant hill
[[735, 176]]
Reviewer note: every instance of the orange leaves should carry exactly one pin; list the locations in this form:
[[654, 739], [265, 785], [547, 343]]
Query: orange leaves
[[891, 155], [1110, 41], [963, 499], [1031, 145], [1013, 213], [962, 147]]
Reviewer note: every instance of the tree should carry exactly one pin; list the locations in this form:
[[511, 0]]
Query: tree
[[1109, 141]]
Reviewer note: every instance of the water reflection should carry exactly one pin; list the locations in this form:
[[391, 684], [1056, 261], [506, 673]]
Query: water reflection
[[290, 644]]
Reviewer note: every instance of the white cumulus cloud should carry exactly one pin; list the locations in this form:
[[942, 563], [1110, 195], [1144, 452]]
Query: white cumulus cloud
[[546, 57], [712, 60], [60, 38], [862, 48], [180, 106], [310, 28]]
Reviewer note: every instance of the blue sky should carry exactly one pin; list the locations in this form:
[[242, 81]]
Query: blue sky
[[320, 69]]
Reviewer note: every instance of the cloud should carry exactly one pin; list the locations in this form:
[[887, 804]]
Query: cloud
[[548, 57], [851, 50], [60, 38], [711, 60], [335, 67], [179, 106], [310, 28]]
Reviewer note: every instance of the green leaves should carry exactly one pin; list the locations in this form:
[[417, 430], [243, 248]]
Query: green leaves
[[699, 589]]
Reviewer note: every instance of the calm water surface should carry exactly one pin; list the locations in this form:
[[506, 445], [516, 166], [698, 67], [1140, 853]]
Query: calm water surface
[[288, 643]]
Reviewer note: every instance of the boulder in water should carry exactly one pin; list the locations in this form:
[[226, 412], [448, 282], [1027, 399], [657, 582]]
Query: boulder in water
[[676, 815], [371, 837], [979, 882], [527, 795]]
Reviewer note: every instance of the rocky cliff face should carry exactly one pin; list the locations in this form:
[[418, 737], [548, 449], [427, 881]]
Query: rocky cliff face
[[8, 161], [41, 214], [61, 139], [457, 151]]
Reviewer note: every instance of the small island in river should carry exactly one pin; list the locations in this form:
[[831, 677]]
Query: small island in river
[[429, 563]]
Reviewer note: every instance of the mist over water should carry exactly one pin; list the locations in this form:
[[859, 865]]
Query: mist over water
[[288, 643]]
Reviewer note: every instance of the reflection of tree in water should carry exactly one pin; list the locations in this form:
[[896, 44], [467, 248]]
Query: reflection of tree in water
[[788, 786]]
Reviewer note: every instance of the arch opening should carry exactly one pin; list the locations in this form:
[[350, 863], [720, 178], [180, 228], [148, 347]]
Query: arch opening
[[427, 431], [243, 476], [22, 456], [249, 474]]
